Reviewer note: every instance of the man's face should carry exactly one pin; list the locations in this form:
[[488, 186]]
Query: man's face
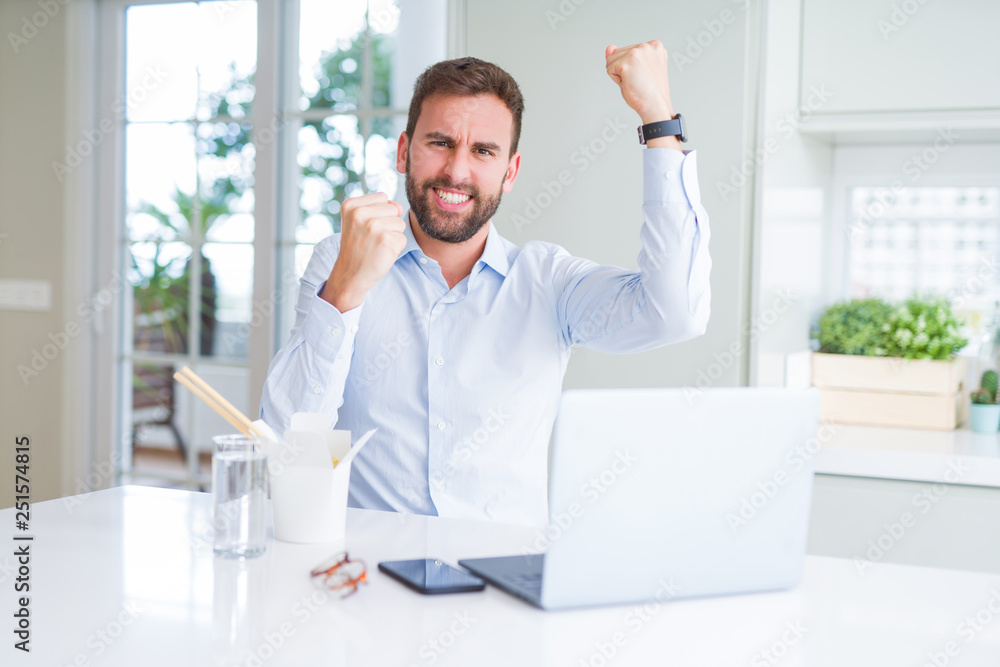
[[457, 164]]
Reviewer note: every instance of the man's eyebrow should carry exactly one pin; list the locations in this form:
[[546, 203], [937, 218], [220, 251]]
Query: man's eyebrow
[[440, 136], [488, 145]]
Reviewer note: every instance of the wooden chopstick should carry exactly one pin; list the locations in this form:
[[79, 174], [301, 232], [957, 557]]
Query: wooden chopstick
[[219, 398], [210, 402]]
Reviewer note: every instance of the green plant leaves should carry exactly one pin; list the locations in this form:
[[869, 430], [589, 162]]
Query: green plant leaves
[[919, 328]]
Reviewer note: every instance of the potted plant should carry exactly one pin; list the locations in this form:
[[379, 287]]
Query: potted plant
[[891, 365], [984, 413]]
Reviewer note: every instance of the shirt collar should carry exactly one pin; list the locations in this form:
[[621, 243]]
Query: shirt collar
[[494, 254]]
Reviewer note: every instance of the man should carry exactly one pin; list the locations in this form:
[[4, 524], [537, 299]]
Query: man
[[452, 340]]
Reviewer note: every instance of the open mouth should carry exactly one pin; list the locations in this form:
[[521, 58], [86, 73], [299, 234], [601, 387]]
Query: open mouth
[[451, 199]]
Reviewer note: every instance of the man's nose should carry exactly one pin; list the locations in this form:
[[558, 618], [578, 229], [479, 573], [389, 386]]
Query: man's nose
[[458, 168]]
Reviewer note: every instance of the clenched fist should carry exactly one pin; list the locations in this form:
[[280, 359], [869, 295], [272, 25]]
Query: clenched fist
[[371, 238], [640, 70]]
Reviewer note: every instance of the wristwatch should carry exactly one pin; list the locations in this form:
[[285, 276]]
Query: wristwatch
[[664, 128]]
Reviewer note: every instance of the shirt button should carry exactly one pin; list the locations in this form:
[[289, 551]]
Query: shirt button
[[317, 389], [439, 361], [354, 329], [670, 175], [439, 486], [423, 260], [335, 331], [441, 426]]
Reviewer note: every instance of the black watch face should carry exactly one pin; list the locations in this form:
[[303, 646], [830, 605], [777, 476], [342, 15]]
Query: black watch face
[[680, 121]]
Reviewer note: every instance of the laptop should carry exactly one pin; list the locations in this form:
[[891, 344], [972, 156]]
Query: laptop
[[664, 494]]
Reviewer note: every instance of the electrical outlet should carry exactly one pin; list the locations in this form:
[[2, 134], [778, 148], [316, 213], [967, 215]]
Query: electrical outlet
[[25, 295]]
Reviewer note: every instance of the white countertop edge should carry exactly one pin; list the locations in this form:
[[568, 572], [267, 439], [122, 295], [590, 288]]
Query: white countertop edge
[[911, 466]]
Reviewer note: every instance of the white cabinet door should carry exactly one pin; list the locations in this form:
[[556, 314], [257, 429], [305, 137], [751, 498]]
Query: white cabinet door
[[901, 55]]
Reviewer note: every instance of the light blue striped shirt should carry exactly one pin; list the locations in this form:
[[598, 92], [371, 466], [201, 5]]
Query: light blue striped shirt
[[464, 383]]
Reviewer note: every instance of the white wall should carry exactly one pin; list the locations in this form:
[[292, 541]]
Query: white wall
[[33, 101], [793, 234], [556, 53]]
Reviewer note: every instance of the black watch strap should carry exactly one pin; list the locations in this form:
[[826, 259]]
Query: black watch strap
[[664, 128]]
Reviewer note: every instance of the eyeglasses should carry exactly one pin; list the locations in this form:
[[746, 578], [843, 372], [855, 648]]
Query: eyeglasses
[[340, 573]]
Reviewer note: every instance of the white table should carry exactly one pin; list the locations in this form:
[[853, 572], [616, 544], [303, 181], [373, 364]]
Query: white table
[[127, 577]]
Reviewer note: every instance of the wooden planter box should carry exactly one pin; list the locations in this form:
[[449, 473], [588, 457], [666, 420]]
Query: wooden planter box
[[883, 391]]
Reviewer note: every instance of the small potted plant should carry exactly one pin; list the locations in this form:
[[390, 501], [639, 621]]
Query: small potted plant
[[887, 364], [984, 413]]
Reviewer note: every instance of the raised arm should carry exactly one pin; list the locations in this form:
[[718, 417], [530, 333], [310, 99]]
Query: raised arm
[[668, 300]]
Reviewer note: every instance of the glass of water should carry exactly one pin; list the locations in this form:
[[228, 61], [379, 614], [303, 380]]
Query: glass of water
[[238, 488]]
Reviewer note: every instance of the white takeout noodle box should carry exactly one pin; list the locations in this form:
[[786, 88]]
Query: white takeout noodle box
[[309, 492]]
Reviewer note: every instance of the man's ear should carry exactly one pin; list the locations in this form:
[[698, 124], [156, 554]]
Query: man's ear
[[513, 167], [401, 147]]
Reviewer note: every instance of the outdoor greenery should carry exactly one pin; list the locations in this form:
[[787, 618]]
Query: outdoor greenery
[[334, 169], [918, 328]]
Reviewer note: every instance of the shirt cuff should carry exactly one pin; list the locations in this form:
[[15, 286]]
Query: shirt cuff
[[330, 332], [669, 175]]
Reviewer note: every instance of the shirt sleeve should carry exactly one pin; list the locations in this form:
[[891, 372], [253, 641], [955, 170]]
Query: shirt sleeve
[[667, 300], [308, 374]]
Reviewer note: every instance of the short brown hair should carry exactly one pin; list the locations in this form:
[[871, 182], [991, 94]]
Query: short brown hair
[[467, 77]]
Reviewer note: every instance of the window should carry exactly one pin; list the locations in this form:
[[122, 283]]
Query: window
[[189, 217], [200, 112], [914, 218], [928, 240]]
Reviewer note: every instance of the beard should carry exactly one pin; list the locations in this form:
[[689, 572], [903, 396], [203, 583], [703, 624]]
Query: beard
[[449, 226]]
